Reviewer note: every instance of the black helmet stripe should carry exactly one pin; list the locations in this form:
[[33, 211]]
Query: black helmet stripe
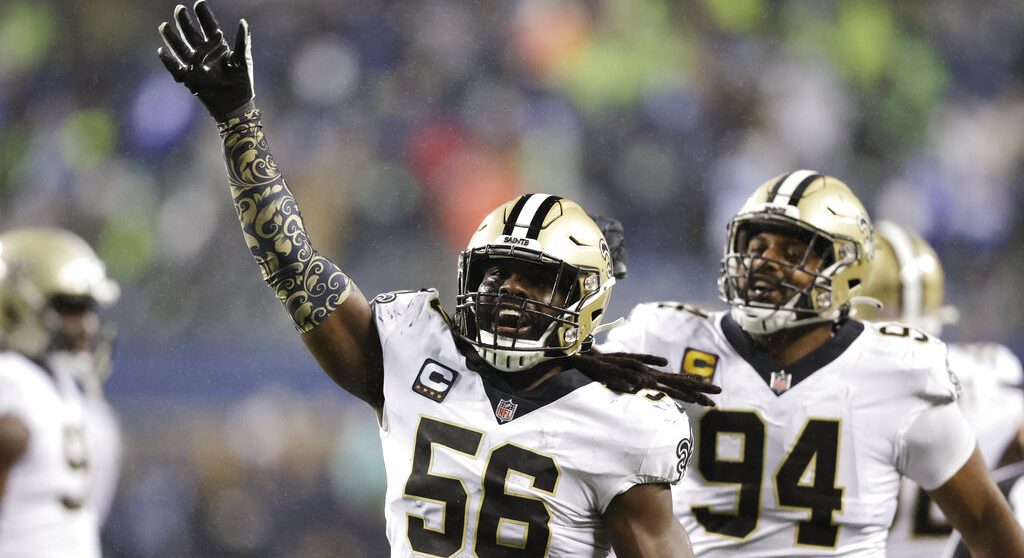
[[790, 188], [794, 198], [528, 215], [774, 190], [540, 216], [513, 216]]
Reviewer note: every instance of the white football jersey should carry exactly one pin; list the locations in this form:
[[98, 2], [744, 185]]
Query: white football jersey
[[993, 405], [45, 510], [806, 460], [475, 469], [103, 441]]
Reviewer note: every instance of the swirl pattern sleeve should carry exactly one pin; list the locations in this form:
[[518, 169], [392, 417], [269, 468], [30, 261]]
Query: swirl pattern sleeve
[[309, 285]]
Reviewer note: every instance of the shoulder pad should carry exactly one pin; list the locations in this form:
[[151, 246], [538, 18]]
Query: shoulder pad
[[397, 307], [682, 307], [656, 327], [924, 357], [16, 380], [406, 295], [990, 361], [667, 311]]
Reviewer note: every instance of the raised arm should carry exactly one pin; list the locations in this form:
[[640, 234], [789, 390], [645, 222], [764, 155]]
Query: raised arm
[[332, 315]]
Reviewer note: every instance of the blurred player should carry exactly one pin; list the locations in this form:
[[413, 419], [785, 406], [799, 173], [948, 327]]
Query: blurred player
[[59, 441], [496, 438], [906, 277], [820, 415]]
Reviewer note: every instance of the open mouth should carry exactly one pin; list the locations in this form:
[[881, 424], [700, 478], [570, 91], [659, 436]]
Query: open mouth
[[764, 290], [511, 322]]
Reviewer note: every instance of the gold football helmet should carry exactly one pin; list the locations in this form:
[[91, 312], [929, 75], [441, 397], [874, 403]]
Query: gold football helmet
[[822, 212], [45, 274], [906, 277], [554, 241]]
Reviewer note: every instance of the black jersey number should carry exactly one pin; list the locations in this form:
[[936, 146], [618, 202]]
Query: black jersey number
[[512, 523], [925, 524], [817, 447], [76, 457], [900, 330]]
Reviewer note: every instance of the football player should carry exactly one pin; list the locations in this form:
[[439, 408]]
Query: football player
[[59, 442], [820, 415], [496, 438], [906, 277]]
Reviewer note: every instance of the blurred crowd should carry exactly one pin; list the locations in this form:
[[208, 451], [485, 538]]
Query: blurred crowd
[[400, 124]]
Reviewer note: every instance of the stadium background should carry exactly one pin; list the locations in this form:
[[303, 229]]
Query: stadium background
[[399, 125]]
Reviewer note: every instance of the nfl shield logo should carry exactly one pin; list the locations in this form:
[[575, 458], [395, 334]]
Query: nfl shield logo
[[781, 381], [506, 410]]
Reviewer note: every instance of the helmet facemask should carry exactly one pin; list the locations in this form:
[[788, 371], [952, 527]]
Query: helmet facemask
[[79, 341], [768, 294], [510, 331]]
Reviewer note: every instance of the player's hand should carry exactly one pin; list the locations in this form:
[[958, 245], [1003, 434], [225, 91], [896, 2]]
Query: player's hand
[[613, 234], [202, 60]]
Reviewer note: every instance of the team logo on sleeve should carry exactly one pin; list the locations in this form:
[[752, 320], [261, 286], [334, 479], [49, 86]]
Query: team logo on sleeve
[[384, 298], [955, 380], [683, 451], [506, 410], [435, 380]]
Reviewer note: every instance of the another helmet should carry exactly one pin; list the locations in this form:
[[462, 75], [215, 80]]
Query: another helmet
[[828, 216], [535, 230], [39, 268], [906, 277]]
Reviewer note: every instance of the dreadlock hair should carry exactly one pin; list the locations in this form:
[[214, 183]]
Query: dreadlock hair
[[631, 372], [620, 372]]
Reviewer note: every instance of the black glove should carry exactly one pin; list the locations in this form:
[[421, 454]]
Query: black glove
[[613, 234], [201, 59]]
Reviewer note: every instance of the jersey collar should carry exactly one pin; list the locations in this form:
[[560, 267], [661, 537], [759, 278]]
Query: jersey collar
[[845, 334], [502, 396]]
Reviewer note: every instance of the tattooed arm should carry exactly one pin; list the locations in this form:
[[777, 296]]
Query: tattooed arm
[[326, 307], [323, 302]]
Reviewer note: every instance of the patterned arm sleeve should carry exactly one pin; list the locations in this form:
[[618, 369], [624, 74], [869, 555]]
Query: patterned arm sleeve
[[309, 285]]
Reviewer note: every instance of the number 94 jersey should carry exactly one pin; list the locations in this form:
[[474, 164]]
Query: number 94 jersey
[[804, 460], [475, 469]]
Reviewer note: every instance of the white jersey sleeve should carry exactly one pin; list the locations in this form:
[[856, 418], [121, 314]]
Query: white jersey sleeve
[[669, 453], [399, 310], [631, 334], [12, 397], [992, 403], [936, 445], [656, 328], [934, 439], [647, 455]]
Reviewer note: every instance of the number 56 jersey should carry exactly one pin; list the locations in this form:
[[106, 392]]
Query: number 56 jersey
[[476, 469], [804, 460]]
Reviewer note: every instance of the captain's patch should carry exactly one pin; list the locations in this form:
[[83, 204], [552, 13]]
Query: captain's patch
[[435, 380]]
